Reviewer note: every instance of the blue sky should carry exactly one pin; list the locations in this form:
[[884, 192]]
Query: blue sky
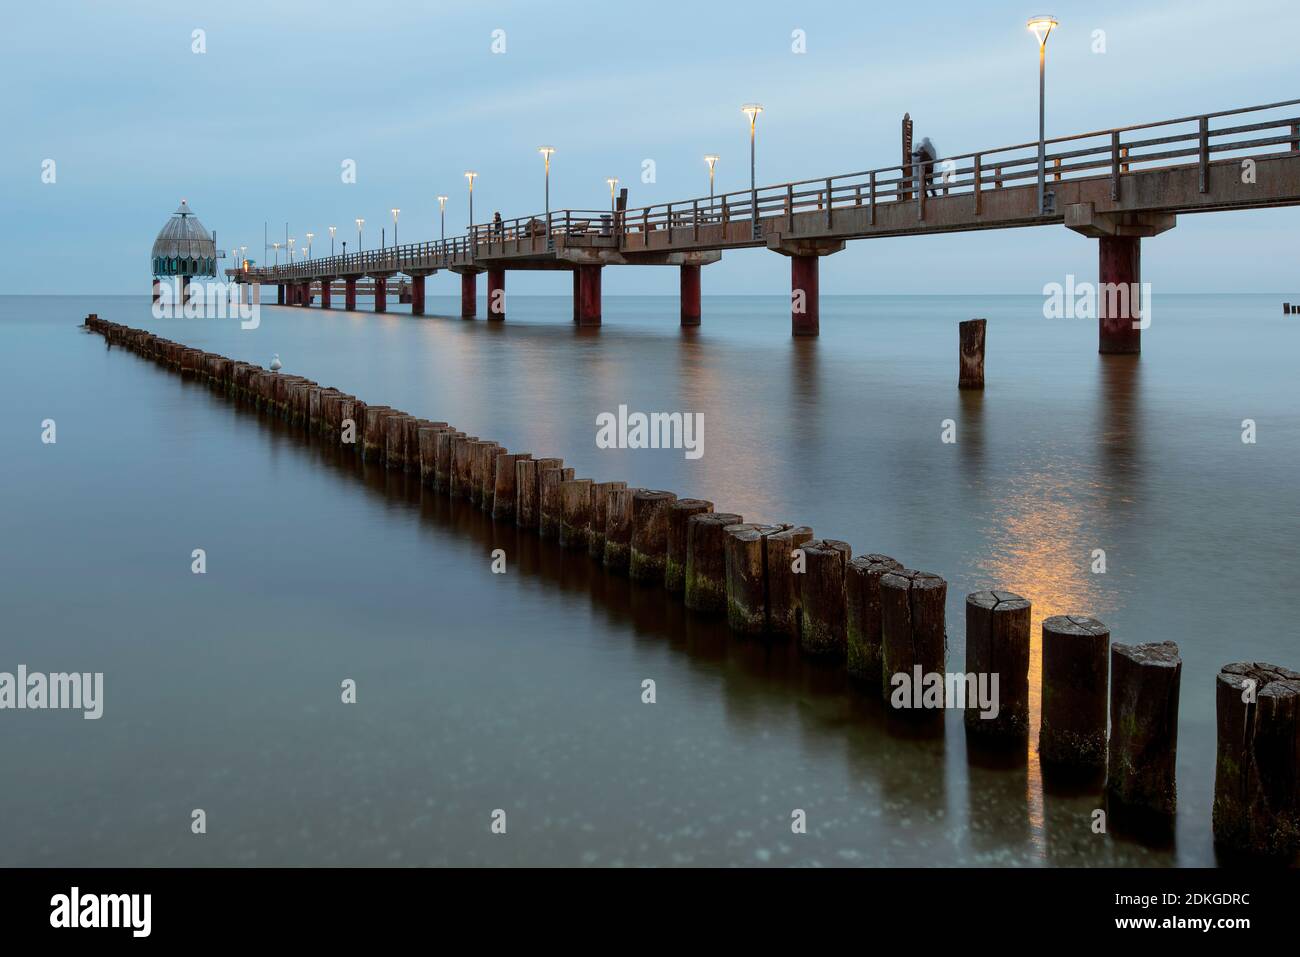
[[256, 128]]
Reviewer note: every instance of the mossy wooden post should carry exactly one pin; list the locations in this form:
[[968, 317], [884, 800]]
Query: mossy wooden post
[[618, 529], [706, 561], [412, 442], [649, 544], [548, 495], [395, 438], [575, 513], [442, 466], [461, 448], [374, 440], [474, 477], [505, 495], [1143, 747], [352, 424], [782, 581], [862, 615], [746, 551], [1257, 772], [821, 597], [526, 493], [1073, 730], [971, 354], [997, 643], [913, 636], [427, 443], [679, 514], [488, 475], [599, 506]]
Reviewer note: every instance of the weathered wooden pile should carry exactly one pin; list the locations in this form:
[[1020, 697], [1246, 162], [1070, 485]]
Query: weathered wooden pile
[[880, 620]]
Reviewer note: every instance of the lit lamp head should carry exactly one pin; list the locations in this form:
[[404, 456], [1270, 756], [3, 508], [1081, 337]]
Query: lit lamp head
[[395, 211], [752, 110], [469, 175], [546, 152], [613, 181], [442, 202], [712, 161], [1042, 26], [332, 228], [360, 222]]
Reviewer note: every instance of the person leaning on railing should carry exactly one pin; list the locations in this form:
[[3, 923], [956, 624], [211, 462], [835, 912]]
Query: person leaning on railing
[[923, 158]]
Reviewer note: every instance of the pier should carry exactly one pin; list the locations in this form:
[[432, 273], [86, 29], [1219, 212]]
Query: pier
[[1118, 186]]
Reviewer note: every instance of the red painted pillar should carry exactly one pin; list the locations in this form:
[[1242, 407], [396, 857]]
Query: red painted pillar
[[496, 293], [381, 294], [589, 295], [468, 295], [417, 295], [350, 293], [690, 295], [1119, 294], [325, 290], [805, 319], [577, 293], [279, 294]]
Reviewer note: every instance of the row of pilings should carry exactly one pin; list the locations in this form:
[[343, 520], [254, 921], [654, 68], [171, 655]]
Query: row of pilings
[[882, 622]]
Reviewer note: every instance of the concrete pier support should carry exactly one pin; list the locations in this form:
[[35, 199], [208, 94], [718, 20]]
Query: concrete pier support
[[588, 295], [496, 293], [279, 294], [417, 295], [350, 293], [468, 295], [326, 287], [805, 314], [690, 295], [381, 294], [577, 292], [1119, 272]]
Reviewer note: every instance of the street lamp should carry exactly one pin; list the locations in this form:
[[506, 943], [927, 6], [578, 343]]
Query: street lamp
[[395, 212], [752, 110], [442, 213], [277, 254], [1041, 27], [613, 181], [546, 152], [360, 223], [332, 228], [310, 237], [291, 242], [712, 160], [469, 175]]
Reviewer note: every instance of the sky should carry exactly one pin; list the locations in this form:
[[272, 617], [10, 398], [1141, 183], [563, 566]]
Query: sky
[[255, 129]]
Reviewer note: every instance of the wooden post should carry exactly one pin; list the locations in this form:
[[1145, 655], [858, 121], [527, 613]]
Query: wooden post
[[548, 497], [679, 515], [1143, 749], [997, 643], [782, 582], [1073, 731], [649, 543], [821, 597], [706, 561], [528, 490], [427, 440], [575, 513], [599, 507], [505, 487], [375, 441], [442, 464], [488, 483], [395, 435], [618, 529], [458, 487], [970, 373], [1257, 772], [912, 636], [862, 616], [747, 576], [482, 458]]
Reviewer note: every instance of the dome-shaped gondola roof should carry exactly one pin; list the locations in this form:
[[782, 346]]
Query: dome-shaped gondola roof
[[183, 246]]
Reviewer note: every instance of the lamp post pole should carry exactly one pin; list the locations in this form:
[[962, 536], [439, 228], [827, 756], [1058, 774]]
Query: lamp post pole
[[1042, 27], [752, 110], [442, 215]]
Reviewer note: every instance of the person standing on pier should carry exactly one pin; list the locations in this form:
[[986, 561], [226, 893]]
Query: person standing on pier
[[923, 158]]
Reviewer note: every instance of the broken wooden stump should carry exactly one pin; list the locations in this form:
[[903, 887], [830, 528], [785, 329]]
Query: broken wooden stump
[[821, 597], [461, 448], [679, 514], [375, 438], [746, 557], [575, 513], [913, 638], [862, 616], [782, 582], [599, 506], [1143, 748], [1073, 730], [997, 643], [548, 496], [649, 543], [971, 372], [706, 561], [1257, 770], [618, 529], [505, 491]]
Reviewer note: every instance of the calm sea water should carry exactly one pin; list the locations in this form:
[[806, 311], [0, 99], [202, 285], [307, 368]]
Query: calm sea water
[[522, 692]]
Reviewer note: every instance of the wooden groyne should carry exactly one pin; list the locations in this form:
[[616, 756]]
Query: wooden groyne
[[882, 622]]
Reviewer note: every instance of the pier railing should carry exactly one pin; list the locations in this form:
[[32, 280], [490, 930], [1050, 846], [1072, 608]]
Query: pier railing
[[1249, 132]]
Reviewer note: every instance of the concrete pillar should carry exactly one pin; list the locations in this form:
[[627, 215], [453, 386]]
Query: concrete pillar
[[1119, 294], [804, 312], [690, 295], [279, 294], [381, 294], [496, 293], [468, 295], [325, 290], [350, 293], [577, 292], [589, 295], [417, 295]]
